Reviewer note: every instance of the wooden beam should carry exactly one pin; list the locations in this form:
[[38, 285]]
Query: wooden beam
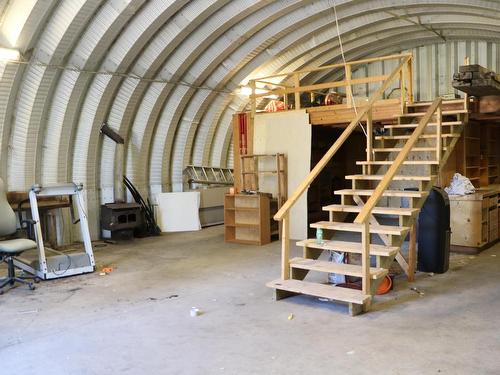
[[348, 88], [412, 253], [296, 81], [365, 257], [369, 138], [285, 249]]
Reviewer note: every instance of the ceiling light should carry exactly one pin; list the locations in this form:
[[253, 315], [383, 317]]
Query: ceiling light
[[8, 54], [247, 91]]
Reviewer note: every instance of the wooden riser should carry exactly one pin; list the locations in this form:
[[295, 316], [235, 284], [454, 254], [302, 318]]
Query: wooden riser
[[377, 210], [378, 177], [414, 125], [349, 247], [390, 162], [387, 193], [353, 227], [416, 149], [320, 290], [339, 268], [423, 136], [422, 114]]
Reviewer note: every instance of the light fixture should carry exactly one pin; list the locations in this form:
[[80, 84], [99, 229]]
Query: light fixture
[[8, 54], [247, 91]]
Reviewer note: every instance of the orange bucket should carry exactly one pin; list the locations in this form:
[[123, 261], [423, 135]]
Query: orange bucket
[[385, 286]]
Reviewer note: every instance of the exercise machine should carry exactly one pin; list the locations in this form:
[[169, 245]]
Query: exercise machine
[[62, 264]]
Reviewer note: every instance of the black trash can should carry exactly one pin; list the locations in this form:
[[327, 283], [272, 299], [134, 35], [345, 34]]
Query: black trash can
[[434, 233]]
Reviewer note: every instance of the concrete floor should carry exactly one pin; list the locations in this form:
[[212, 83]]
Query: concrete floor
[[136, 320]]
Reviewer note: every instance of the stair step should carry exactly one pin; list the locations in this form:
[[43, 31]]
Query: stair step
[[340, 268], [377, 210], [406, 162], [349, 247], [320, 290], [427, 104], [386, 193], [407, 126], [354, 227], [423, 136], [378, 177], [414, 149], [421, 114]]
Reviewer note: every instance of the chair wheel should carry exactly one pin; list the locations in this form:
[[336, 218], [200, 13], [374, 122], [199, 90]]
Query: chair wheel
[[1, 292], [37, 280], [31, 286]]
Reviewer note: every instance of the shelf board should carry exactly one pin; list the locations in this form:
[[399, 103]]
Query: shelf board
[[246, 208], [246, 225], [244, 242]]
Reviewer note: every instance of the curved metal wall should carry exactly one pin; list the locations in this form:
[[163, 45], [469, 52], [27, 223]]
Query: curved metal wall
[[168, 71]]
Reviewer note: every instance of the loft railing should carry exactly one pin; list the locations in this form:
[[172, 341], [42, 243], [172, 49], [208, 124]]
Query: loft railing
[[364, 112], [290, 83]]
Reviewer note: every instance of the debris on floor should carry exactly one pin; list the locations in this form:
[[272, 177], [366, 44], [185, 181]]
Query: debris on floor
[[417, 291], [290, 317], [195, 312]]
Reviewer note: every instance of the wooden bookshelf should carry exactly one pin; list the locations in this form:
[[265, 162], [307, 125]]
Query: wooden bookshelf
[[478, 153], [247, 218]]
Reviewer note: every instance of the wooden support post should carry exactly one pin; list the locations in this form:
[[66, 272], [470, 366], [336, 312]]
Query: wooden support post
[[253, 98], [348, 88], [410, 80], [365, 257], [412, 253], [466, 96], [402, 88], [285, 248], [369, 139], [439, 132], [296, 83]]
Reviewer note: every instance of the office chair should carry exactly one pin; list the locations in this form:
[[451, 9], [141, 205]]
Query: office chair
[[10, 248]]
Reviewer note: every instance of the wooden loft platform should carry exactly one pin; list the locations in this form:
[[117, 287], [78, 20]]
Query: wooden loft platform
[[342, 114], [290, 86]]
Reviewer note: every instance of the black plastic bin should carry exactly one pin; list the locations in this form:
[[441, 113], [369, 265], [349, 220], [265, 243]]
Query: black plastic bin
[[434, 233]]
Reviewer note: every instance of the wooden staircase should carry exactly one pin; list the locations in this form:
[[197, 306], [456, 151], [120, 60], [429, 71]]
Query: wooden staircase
[[409, 154]]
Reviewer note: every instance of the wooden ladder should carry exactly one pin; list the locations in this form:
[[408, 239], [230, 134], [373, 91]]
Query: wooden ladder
[[408, 154]]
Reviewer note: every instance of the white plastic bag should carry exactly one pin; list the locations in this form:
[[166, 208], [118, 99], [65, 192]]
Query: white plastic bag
[[334, 278], [460, 185]]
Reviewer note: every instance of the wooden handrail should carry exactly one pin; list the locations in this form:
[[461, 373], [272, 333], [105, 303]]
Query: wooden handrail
[[365, 213], [320, 86], [338, 143], [339, 65]]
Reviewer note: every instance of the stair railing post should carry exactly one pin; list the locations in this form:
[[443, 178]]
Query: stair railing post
[[409, 77], [296, 84], [402, 85], [365, 256], [253, 99], [369, 138], [348, 88], [285, 247], [439, 131]]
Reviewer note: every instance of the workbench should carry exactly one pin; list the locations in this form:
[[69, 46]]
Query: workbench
[[475, 220]]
